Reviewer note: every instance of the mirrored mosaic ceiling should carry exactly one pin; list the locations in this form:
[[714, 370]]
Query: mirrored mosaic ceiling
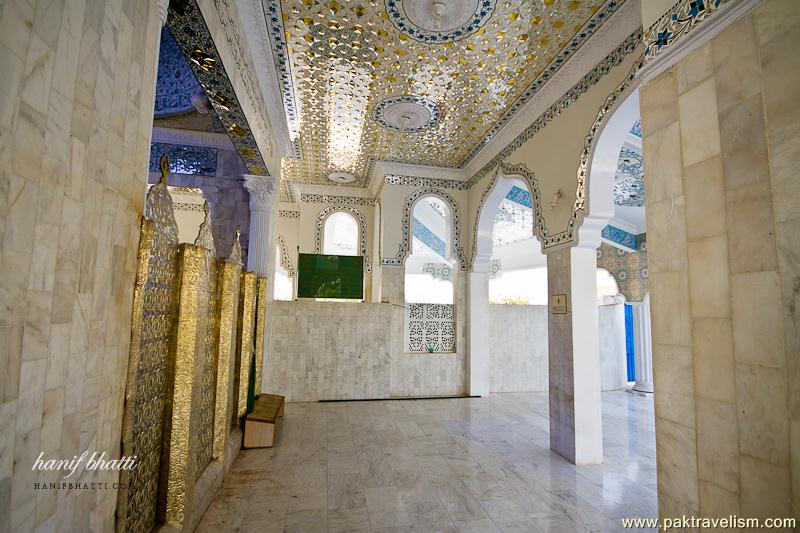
[[629, 179], [417, 81]]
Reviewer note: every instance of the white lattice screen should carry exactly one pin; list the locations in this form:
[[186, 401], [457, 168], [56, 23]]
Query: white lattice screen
[[430, 328]]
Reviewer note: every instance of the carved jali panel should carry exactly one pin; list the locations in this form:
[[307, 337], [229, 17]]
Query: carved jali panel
[[430, 328], [152, 322]]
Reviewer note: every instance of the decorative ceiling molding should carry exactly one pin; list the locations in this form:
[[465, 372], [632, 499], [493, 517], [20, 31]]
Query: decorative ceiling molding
[[193, 37], [675, 35], [677, 22], [340, 200], [416, 181], [254, 28], [232, 28], [458, 20], [576, 42]]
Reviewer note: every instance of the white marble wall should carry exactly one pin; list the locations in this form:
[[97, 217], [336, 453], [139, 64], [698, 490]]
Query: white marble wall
[[340, 350], [720, 159], [518, 348], [76, 113]]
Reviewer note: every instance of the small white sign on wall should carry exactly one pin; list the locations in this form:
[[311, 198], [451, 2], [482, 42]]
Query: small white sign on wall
[[430, 328]]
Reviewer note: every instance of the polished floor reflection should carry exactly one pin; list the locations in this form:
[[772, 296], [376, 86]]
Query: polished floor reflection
[[471, 465]]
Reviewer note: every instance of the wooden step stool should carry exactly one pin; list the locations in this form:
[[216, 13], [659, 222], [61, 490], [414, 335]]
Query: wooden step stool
[[259, 426]]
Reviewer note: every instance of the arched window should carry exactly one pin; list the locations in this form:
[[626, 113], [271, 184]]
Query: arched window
[[340, 234], [518, 268], [284, 288], [429, 268]]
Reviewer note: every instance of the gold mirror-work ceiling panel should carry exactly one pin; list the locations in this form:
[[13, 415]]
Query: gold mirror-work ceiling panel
[[340, 59]]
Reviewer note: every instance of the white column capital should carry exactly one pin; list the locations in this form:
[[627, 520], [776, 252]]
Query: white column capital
[[262, 191]]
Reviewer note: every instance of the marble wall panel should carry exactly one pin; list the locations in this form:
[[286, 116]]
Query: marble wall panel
[[75, 116], [724, 270]]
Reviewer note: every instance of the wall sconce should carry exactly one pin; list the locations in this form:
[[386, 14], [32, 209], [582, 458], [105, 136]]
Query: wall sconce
[[556, 198]]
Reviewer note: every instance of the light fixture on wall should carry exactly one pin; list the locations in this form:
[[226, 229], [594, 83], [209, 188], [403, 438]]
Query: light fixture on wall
[[556, 198]]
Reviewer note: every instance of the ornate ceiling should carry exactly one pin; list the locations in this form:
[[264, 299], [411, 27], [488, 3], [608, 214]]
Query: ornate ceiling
[[416, 81]]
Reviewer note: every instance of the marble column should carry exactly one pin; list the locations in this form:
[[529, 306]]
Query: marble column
[[642, 346], [261, 244], [478, 366], [576, 429], [263, 190]]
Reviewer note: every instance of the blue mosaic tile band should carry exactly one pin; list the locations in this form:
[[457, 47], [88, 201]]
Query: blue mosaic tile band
[[620, 236], [197, 160], [520, 196], [421, 232]]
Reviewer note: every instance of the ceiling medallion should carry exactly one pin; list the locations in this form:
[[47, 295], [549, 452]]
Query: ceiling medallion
[[407, 113], [439, 21], [341, 177]]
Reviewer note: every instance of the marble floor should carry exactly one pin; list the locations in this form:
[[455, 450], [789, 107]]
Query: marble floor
[[467, 465]]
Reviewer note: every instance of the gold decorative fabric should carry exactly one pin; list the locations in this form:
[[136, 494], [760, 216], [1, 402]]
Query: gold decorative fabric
[[244, 341], [261, 327], [188, 354], [228, 274], [205, 396]]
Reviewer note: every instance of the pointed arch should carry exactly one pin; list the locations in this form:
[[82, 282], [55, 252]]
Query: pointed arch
[[286, 261], [362, 230], [484, 217], [594, 204], [408, 207]]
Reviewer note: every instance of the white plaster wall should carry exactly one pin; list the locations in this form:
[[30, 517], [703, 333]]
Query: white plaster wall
[[518, 348]]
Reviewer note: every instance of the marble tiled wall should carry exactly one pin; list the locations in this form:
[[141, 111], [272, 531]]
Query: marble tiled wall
[[721, 150], [518, 348], [337, 350], [76, 109]]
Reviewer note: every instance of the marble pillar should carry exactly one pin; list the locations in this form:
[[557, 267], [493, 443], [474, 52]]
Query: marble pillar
[[576, 429], [263, 190], [261, 243], [478, 365], [642, 346]]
